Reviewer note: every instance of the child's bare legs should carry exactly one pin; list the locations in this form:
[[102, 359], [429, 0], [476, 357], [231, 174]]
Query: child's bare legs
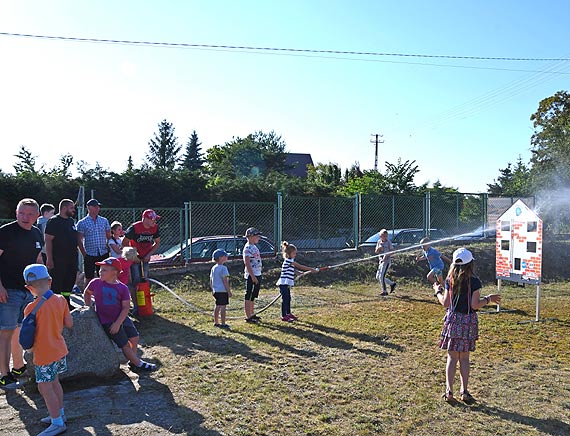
[[248, 306], [450, 367], [131, 354], [134, 343], [52, 393], [217, 314], [464, 370], [17, 350], [431, 277], [222, 313]]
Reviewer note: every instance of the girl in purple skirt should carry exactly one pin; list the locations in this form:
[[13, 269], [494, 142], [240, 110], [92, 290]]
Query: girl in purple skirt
[[461, 296]]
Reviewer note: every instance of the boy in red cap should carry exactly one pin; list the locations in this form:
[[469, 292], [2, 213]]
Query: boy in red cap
[[112, 303], [143, 235]]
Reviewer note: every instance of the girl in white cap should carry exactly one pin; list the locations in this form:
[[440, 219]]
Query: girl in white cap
[[461, 295]]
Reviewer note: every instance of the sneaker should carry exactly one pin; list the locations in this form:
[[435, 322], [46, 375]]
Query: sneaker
[[144, 366], [254, 316], [77, 290], [224, 326], [293, 317], [53, 429], [252, 320], [18, 372], [217, 325], [392, 287], [47, 419], [287, 318], [9, 382], [384, 294]]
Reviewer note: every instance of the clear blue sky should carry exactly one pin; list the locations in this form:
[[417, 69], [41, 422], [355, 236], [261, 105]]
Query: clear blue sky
[[460, 120]]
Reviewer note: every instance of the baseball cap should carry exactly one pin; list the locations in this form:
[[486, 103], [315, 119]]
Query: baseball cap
[[149, 213], [112, 262], [252, 231], [462, 256], [219, 253], [35, 271], [93, 202]]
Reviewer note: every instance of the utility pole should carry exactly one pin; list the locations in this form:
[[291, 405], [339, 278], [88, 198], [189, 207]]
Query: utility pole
[[376, 141]]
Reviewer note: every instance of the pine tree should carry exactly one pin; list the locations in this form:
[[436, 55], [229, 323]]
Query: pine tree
[[164, 147], [193, 159]]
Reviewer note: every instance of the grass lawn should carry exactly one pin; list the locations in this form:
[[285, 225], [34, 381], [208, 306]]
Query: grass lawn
[[355, 364]]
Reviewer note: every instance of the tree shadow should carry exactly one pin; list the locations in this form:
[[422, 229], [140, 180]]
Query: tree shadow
[[185, 341], [551, 426], [143, 404], [277, 344], [322, 339]]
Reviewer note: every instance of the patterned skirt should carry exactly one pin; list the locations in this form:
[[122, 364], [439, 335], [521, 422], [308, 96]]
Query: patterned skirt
[[460, 331]]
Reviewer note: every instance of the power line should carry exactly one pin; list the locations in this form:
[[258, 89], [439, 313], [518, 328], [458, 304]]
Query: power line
[[275, 49]]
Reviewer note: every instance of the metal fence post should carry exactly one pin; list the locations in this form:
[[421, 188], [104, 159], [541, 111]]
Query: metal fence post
[[484, 200], [427, 215], [356, 220], [279, 232], [186, 232]]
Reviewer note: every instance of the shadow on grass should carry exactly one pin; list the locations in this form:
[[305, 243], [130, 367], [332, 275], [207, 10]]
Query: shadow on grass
[[142, 403], [184, 340], [548, 426], [328, 341], [277, 344]]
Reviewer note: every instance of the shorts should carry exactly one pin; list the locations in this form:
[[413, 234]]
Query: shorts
[[252, 289], [438, 272], [126, 331], [12, 312], [48, 373], [222, 298]]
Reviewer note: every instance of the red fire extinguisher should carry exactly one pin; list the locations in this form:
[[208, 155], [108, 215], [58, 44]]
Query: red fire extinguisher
[[144, 297]]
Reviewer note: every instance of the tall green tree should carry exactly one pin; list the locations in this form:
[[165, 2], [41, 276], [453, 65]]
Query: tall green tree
[[163, 148], [514, 181], [26, 163], [256, 155], [551, 142], [400, 177], [193, 158], [323, 179]]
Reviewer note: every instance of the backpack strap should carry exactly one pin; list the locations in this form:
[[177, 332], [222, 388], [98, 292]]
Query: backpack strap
[[44, 298]]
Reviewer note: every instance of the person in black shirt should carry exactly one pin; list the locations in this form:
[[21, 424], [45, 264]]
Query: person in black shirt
[[462, 297], [20, 245], [61, 249]]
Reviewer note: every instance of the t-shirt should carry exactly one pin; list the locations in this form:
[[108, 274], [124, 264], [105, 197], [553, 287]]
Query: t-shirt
[[462, 302], [384, 247], [41, 224], [217, 275], [64, 243], [21, 248], [115, 248], [109, 299], [142, 238], [251, 251], [49, 345], [125, 275], [434, 258], [287, 276]]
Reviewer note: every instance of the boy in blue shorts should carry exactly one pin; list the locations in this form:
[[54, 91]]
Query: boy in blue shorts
[[220, 284], [112, 303], [435, 260], [49, 346]]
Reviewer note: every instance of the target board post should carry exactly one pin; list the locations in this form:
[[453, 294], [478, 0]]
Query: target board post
[[518, 250]]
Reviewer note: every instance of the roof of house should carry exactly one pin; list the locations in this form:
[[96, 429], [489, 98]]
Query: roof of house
[[297, 164]]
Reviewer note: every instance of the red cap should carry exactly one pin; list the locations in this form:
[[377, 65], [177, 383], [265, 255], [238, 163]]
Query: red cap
[[112, 262], [149, 213]]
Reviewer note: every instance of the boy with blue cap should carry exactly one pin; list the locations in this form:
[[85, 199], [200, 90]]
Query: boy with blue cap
[[220, 283], [49, 346]]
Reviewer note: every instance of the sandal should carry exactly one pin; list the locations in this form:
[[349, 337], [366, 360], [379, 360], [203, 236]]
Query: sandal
[[467, 398], [448, 397]]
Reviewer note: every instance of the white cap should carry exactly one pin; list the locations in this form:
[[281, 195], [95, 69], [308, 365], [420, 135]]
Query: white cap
[[462, 256]]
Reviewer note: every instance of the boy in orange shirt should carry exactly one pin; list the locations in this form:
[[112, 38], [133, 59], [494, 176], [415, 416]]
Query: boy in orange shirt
[[49, 346]]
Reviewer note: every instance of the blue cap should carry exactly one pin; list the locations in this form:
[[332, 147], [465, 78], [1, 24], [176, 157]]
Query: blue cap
[[35, 271], [219, 253]]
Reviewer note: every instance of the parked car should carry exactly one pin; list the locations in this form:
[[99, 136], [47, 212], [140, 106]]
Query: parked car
[[372, 240], [414, 236], [203, 247], [480, 233]]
